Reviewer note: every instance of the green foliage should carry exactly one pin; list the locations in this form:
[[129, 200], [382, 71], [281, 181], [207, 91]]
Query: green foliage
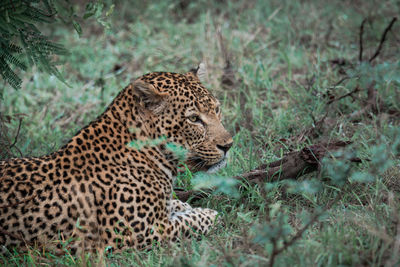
[[98, 11], [140, 144], [221, 184], [23, 44], [277, 227], [281, 56], [338, 169], [179, 151]]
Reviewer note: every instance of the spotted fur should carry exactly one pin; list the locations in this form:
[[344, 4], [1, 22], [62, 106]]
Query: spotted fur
[[97, 191]]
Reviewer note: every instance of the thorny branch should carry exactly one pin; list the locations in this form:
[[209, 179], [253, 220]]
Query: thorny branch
[[276, 251], [370, 102]]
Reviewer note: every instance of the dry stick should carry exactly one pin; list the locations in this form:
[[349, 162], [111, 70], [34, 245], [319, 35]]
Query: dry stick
[[371, 99], [293, 165], [16, 136], [341, 81], [11, 145], [355, 90], [360, 56], [383, 38]]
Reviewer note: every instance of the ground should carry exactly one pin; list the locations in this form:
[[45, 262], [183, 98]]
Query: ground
[[285, 60]]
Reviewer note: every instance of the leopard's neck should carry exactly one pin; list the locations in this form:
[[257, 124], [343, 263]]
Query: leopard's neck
[[124, 128]]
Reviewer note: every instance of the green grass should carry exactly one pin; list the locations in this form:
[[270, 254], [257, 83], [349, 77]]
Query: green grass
[[280, 52]]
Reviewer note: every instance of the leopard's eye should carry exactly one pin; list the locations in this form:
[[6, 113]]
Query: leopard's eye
[[194, 118]]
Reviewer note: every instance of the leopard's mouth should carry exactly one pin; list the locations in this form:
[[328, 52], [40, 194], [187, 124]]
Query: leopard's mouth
[[217, 166], [196, 164]]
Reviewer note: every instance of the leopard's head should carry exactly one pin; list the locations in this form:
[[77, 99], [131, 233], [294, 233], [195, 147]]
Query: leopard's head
[[184, 111]]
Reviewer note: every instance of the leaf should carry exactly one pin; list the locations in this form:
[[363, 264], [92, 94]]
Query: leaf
[[362, 177], [225, 185], [310, 187], [77, 27], [178, 150], [89, 11], [139, 144], [110, 10], [93, 9], [247, 217], [380, 158], [274, 208]]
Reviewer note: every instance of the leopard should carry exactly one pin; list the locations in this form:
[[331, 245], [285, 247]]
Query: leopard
[[111, 185]]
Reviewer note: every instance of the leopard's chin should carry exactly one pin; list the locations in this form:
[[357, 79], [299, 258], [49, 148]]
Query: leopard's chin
[[217, 166], [196, 164]]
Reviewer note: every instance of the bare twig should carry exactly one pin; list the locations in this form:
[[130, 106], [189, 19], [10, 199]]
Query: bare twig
[[314, 131], [273, 254], [293, 165], [8, 145], [16, 136], [300, 232], [383, 38], [355, 90], [340, 62], [341, 80], [360, 56]]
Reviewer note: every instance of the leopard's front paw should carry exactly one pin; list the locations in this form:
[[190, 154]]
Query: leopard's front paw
[[213, 216]]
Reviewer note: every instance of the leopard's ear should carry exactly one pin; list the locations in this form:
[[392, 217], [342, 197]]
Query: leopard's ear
[[198, 73], [148, 96]]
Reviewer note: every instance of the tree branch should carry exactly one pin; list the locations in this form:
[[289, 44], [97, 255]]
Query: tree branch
[[360, 56], [299, 233], [383, 38]]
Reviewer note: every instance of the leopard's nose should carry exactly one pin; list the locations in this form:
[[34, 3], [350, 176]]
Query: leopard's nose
[[225, 147]]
